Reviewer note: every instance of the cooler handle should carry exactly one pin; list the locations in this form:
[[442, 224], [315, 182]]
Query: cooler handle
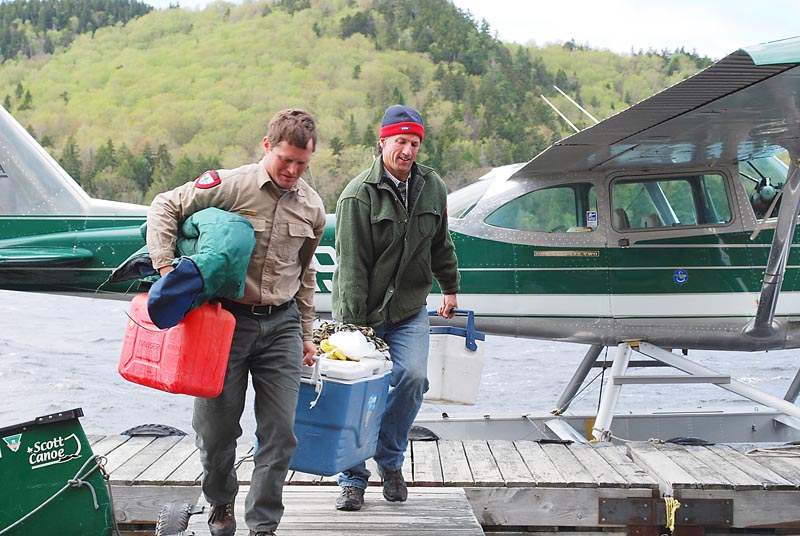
[[470, 336], [316, 381]]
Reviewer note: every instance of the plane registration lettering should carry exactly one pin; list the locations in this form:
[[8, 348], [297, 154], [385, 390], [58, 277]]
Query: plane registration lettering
[[567, 253]]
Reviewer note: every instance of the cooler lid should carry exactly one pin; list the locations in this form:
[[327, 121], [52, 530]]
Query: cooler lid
[[350, 370]]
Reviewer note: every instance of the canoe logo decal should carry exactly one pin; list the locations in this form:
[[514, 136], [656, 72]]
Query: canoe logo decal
[[680, 277], [57, 450], [13, 442]]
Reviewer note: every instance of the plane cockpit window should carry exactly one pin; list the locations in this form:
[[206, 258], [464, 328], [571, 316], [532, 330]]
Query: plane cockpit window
[[31, 182], [670, 202], [561, 209], [763, 179], [461, 202]]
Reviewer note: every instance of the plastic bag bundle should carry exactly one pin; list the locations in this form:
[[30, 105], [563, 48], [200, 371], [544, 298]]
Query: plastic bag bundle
[[353, 344]]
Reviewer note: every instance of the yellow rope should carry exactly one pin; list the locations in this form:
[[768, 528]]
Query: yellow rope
[[672, 506]]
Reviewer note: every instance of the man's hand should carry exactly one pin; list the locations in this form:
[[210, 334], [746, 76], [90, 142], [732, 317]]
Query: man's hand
[[449, 302], [164, 270], [309, 350]]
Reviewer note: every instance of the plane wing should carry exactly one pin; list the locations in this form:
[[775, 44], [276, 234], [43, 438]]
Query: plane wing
[[745, 105]]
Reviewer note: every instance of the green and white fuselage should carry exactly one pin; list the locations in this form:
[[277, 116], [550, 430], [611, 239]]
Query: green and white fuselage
[[655, 224]]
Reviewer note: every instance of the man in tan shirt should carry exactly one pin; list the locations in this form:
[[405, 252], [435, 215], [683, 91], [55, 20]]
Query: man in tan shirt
[[273, 319]]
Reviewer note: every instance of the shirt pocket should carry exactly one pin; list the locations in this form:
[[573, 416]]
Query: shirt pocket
[[259, 224], [296, 234], [428, 222], [386, 232], [259, 227]]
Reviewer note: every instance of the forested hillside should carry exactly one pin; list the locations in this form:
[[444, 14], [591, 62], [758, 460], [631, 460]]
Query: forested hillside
[[32, 27], [149, 102]]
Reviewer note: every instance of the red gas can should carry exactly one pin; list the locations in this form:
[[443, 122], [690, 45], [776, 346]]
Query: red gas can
[[189, 358]]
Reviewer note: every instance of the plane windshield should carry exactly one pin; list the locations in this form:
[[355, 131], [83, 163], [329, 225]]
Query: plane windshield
[[563, 209], [670, 202], [31, 182], [762, 179], [462, 201]]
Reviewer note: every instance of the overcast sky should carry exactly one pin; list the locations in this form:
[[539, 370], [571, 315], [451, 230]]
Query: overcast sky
[[713, 28]]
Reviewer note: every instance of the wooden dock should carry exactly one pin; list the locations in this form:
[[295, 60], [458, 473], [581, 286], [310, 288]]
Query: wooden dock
[[508, 485]]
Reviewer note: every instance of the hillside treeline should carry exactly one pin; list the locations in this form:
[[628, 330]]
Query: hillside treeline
[[139, 107], [31, 27]]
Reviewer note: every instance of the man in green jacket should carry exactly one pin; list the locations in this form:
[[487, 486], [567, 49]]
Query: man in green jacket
[[391, 240]]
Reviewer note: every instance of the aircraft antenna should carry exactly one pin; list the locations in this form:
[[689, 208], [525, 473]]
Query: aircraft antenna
[[578, 106], [576, 129]]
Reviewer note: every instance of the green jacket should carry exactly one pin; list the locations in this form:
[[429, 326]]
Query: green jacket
[[386, 257]]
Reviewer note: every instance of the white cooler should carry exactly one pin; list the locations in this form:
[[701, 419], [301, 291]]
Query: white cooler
[[455, 362]]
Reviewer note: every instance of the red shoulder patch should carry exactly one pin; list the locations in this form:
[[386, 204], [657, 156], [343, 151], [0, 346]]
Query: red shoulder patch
[[209, 179]]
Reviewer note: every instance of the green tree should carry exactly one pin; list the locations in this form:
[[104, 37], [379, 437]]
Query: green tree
[[70, 161]]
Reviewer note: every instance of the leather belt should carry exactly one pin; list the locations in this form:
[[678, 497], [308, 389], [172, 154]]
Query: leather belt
[[255, 310]]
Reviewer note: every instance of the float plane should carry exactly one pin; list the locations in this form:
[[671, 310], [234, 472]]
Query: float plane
[[668, 226]]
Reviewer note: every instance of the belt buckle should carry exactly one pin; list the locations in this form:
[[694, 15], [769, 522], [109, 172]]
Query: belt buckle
[[256, 313]]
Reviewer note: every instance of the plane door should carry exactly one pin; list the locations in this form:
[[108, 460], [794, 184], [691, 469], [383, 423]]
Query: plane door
[[560, 270], [675, 252]]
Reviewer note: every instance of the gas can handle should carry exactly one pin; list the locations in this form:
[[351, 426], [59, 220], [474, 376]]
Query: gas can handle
[[470, 336]]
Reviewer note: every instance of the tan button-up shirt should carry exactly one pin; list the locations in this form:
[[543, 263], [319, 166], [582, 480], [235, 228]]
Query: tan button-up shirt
[[288, 229]]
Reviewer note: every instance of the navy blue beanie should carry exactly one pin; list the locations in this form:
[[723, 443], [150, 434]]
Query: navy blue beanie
[[399, 119]]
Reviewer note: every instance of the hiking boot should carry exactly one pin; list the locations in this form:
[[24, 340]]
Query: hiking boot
[[261, 533], [351, 499], [221, 521], [394, 485]]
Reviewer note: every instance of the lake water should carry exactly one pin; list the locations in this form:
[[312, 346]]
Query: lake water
[[59, 353]]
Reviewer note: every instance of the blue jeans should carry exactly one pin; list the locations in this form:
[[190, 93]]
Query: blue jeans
[[408, 346]]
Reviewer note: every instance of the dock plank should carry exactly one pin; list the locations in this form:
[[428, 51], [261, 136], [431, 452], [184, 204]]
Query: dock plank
[[455, 466], [780, 460], [573, 472], [602, 472], [669, 475], [127, 450], [187, 473], [482, 464], [128, 472], [310, 511], [108, 443], [159, 471], [704, 476], [509, 461], [635, 476], [769, 479], [739, 479], [543, 470], [427, 465]]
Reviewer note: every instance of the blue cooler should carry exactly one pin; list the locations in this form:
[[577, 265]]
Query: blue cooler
[[339, 414]]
